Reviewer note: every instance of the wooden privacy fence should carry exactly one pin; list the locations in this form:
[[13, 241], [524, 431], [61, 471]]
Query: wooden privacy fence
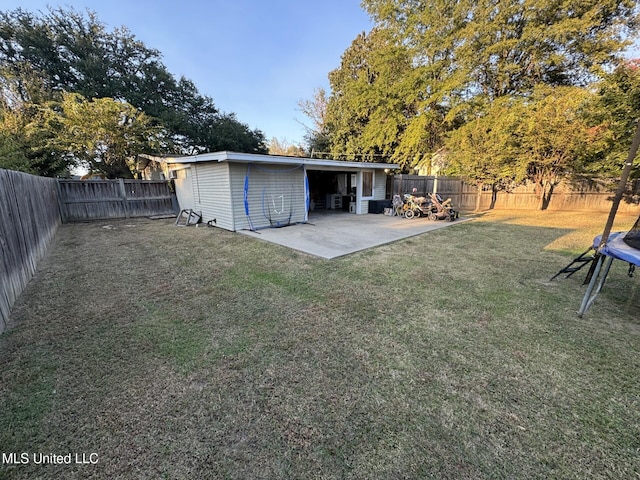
[[29, 219], [82, 200], [462, 196], [588, 196]]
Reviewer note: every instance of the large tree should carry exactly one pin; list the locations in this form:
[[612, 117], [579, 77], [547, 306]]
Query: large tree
[[106, 134], [27, 134], [502, 47], [617, 107], [372, 98], [543, 138], [62, 50], [430, 66], [485, 150], [555, 137]]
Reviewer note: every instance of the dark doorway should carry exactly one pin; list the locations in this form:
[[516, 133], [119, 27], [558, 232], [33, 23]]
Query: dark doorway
[[330, 191]]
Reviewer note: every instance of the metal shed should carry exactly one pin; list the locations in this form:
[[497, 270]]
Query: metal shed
[[238, 191]]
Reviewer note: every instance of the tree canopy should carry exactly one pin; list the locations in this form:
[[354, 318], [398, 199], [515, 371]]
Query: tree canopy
[[501, 47], [617, 108], [374, 95], [105, 134], [46, 54], [497, 87]]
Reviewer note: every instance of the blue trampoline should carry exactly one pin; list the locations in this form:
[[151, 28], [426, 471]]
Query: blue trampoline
[[620, 245], [617, 247]]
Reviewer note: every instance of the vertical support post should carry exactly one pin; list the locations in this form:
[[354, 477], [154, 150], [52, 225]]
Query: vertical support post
[[626, 171], [307, 199], [62, 207], [598, 276], [358, 192]]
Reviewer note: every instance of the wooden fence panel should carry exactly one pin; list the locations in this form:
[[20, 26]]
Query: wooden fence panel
[[104, 199], [90, 200], [146, 198], [406, 183], [588, 196], [29, 219]]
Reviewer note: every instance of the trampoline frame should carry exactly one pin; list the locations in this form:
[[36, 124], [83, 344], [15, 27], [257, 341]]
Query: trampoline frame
[[606, 255]]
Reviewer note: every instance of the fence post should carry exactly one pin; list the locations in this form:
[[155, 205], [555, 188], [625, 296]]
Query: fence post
[[61, 205], [123, 194]]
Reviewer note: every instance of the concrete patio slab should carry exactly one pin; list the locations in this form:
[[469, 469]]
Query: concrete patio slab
[[331, 235]]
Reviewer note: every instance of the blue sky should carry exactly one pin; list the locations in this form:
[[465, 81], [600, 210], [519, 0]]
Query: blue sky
[[255, 58]]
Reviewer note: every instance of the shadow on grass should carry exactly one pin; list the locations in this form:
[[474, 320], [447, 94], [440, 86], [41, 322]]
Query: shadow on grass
[[446, 355]]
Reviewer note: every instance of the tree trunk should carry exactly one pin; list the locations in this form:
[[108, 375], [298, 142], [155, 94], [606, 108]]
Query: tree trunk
[[479, 197], [543, 189], [545, 195], [494, 196]]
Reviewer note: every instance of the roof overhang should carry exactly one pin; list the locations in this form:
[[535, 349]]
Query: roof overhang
[[236, 157]]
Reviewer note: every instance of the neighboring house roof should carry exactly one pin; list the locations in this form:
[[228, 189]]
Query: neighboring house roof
[[274, 159]]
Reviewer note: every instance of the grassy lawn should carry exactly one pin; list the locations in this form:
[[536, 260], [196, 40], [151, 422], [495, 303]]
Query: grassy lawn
[[198, 353]]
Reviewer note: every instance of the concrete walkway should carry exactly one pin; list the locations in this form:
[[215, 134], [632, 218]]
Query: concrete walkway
[[331, 235]]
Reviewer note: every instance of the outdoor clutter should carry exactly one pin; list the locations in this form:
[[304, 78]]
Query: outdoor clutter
[[431, 206], [189, 217]]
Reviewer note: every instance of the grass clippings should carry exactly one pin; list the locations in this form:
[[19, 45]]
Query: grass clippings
[[198, 353]]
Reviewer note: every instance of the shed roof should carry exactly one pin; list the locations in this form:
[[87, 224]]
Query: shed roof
[[227, 156]]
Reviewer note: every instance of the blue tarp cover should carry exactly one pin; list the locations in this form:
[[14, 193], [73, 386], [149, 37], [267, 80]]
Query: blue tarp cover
[[618, 249]]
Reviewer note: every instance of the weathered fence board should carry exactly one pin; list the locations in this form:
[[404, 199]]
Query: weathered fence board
[[103, 199], [589, 196], [29, 219]]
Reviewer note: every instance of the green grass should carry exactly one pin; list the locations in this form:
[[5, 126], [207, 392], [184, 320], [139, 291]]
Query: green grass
[[198, 353]]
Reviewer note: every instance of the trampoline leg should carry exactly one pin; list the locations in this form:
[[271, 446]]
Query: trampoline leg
[[590, 295]]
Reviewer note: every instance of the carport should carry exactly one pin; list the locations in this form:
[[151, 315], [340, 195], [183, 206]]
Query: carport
[[336, 186]]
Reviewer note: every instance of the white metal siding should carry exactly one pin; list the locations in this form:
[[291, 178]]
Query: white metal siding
[[378, 193], [211, 193], [286, 180], [379, 186]]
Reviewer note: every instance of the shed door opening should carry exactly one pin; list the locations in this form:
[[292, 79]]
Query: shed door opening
[[330, 191]]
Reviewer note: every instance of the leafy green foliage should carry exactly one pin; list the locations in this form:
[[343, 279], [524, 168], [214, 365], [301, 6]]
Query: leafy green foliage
[[106, 134], [543, 138], [554, 136], [430, 67], [43, 55], [26, 141], [484, 150], [617, 106], [368, 109], [496, 48]]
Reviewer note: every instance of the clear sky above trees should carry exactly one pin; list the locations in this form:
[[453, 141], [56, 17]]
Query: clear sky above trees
[[252, 57], [46, 56]]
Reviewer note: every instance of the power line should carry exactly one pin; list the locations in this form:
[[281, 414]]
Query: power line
[[365, 155]]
